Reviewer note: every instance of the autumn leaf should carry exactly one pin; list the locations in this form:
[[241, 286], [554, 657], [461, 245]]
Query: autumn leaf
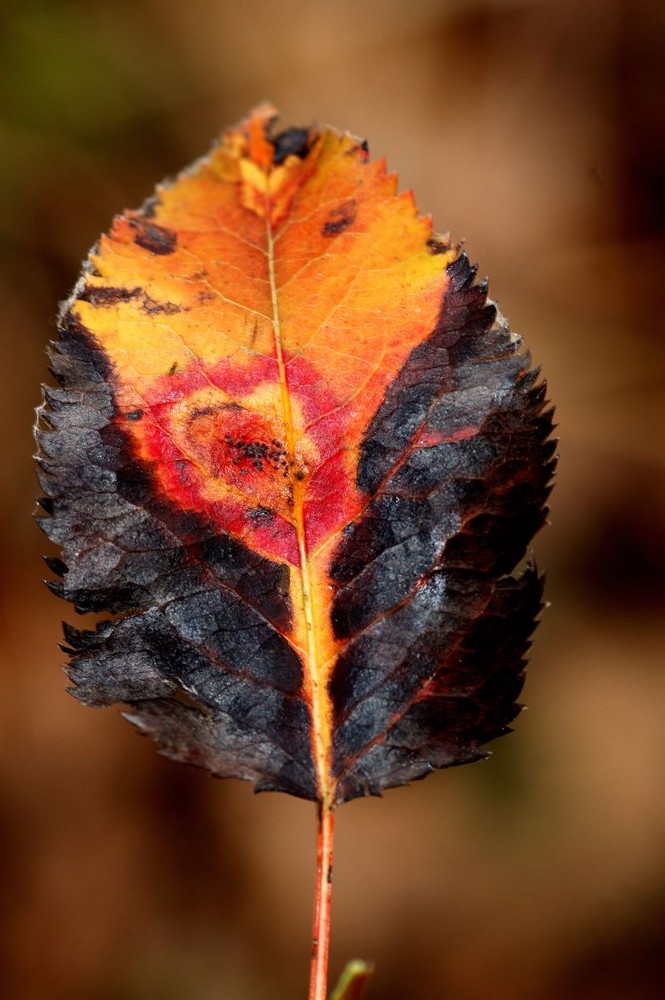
[[297, 455]]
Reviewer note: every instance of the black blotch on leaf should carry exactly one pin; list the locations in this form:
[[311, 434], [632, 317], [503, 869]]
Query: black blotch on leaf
[[156, 239], [433, 632], [437, 245], [108, 296], [261, 515], [111, 296], [340, 218], [361, 150], [290, 142], [152, 306], [207, 411]]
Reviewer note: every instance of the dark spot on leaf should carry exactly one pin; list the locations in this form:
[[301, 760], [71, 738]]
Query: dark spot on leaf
[[173, 369], [437, 245], [134, 415], [108, 296], [340, 218], [261, 515], [156, 239], [290, 142], [255, 452], [152, 307], [362, 148], [207, 411]]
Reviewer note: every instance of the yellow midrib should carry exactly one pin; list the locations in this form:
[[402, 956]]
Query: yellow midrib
[[318, 691]]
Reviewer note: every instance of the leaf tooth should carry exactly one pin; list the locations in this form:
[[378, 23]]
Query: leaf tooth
[[56, 564], [56, 587]]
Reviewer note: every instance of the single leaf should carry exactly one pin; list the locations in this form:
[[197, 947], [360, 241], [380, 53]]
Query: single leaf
[[297, 455], [353, 980]]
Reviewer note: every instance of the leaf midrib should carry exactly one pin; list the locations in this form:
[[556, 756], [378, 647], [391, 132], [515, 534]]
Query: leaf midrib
[[319, 702]]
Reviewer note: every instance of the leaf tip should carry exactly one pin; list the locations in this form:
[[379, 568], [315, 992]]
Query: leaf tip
[[353, 980]]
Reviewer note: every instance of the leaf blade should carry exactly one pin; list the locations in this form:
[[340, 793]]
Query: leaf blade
[[294, 447]]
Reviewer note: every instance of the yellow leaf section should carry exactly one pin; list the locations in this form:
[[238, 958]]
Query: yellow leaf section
[[315, 266]]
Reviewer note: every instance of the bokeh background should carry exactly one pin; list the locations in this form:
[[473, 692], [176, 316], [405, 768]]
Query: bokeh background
[[534, 129]]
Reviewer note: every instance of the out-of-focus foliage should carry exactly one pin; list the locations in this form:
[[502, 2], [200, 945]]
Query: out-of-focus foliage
[[534, 128]]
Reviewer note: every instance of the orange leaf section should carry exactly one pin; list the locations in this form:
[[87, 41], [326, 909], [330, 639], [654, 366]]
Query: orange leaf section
[[254, 318]]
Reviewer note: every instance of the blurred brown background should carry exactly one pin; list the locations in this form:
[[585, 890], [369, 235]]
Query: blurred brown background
[[535, 129]]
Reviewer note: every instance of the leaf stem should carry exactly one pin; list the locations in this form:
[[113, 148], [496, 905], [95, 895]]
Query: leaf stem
[[318, 984]]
